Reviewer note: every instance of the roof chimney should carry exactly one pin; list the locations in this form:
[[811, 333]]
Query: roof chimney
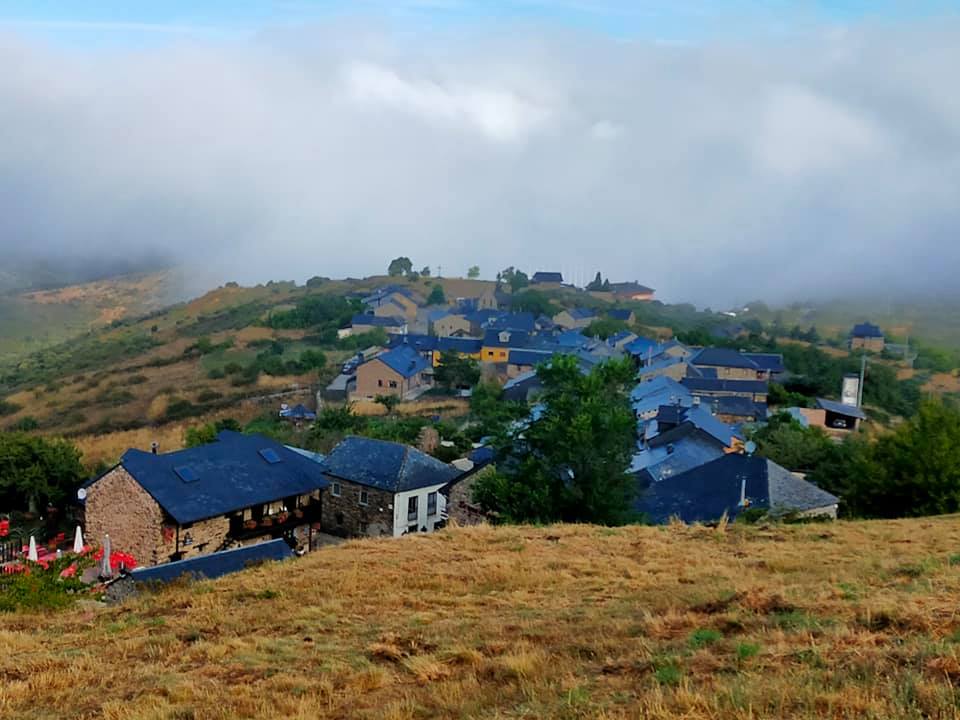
[[154, 447]]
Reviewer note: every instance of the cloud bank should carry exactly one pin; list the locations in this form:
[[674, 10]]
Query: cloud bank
[[717, 173]]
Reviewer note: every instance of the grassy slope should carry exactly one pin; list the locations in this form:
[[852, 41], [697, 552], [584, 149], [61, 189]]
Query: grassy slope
[[842, 620]]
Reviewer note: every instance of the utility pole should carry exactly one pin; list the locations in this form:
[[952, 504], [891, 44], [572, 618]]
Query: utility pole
[[863, 372]]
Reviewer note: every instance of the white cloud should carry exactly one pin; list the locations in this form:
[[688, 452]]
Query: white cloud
[[499, 114], [714, 173]]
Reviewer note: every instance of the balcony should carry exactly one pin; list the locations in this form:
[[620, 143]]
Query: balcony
[[276, 524]]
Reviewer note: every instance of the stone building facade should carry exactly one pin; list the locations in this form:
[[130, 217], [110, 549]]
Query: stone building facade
[[118, 506], [461, 507], [351, 509]]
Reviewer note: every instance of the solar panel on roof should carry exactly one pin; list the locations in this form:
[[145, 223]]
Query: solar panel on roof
[[186, 473], [270, 455]]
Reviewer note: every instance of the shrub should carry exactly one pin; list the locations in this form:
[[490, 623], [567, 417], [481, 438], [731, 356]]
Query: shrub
[[180, 408], [216, 374], [136, 379], [8, 408], [25, 424], [208, 396]]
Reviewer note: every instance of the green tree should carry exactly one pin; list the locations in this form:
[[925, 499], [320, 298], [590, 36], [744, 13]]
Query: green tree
[[400, 266], [533, 301], [456, 371], [570, 464], [436, 296], [604, 328], [425, 272], [791, 445], [490, 413], [390, 402], [516, 279], [596, 284], [473, 272], [36, 471]]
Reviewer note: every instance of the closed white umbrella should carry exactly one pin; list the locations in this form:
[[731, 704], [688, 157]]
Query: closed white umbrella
[[78, 541], [32, 552], [105, 569]]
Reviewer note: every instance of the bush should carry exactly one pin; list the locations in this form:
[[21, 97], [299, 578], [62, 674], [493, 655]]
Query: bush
[[8, 408], [43, 589], [216, 374], [180, 409], [136, 379], [208, 396], [25, 424]]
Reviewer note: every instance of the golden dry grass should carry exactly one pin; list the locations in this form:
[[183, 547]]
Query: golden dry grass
[[844, 620], [943, 383]]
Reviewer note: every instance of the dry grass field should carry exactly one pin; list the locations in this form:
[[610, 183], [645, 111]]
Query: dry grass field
[[842, 620]]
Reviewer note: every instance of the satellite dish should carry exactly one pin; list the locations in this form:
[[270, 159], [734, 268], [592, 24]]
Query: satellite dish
[[750, 447], [82, 494]]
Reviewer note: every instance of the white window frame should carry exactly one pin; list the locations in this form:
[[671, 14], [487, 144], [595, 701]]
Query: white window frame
[[336, 490], [363, 498], [433, 496]]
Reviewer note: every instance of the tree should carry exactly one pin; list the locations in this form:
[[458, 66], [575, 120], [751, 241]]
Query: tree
[[596, 284], [436, 296], [490, 413], [533, 301], [604, 328], [516, 279], [571, 463], [455, 371], [390, 402], [37, 471], [425, 272], [473, 272], [400, 266]]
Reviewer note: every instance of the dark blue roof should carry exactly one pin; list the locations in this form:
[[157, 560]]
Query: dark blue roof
[[572, 339], [579, 313], [547, 277], [642, 347], [215, 564], [404, 360], [723, 357], [482, 317], [482, 455], [420, 343], [716, 385], [467, 346], [622, 315], [739, 406], [386, 465], [513, 321], [528, 357], [513, 339], [839, 408], [226, 475], [866, 330], [374, 321], [706, 492], [772, 362]]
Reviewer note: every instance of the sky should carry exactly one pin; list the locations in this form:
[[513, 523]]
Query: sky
[[720, 152]]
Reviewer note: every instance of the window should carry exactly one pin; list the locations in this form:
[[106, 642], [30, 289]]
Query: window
[[339, 519], [412, 528], [412, 508], [379, 383], [393, 383], [364, 498], [361, 528], [432, 503], [335, 490]]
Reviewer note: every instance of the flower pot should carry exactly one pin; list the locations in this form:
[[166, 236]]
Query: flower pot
[[266, 522], [250, 524], [282, 517], [298, 513]]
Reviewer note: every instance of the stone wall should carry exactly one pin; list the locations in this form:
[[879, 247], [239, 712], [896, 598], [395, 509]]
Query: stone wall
[[345, 515], [117, 505], [206, 536], [460, 505]]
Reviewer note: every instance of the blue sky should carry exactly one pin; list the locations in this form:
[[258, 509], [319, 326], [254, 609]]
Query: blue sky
[[95, 23]]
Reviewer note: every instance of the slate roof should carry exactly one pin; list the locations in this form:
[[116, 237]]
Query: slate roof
[[215, 564], [653, 464], [641, 346], [547, 277], [771, 362], [516, 389], [622, 315], [630, 287], [739, 406], [661, 363], [386, 465], [228, 474], [866, 330], [438, 314], [579, 313], [467, 346], [695, 384], [572, 339], [528, 357], [620, 337], [374, 321], [404, 360], [723, 357], [705, 492], [513, 321], [661, 390], [420, 343], [839, 408]]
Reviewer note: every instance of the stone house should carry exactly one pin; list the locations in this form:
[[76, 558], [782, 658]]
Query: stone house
[[726, 364], [365, 323], [392, 302], [399, 372], [461, 507], [632, 291], [380, 488], [450, 325], [867, 336], [575, 318], [237, 490]]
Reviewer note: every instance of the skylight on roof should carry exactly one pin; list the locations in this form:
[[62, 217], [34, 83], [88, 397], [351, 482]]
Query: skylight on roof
[[270, 455], [186, 473]]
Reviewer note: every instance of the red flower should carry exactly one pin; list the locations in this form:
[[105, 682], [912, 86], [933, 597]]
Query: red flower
[[69, 571], [98, 555]]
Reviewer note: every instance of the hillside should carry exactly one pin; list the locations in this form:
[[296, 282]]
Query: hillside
[[34, 320], [840, 620]]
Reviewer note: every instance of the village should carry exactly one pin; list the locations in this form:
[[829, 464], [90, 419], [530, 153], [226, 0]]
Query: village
[[242, 498]]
